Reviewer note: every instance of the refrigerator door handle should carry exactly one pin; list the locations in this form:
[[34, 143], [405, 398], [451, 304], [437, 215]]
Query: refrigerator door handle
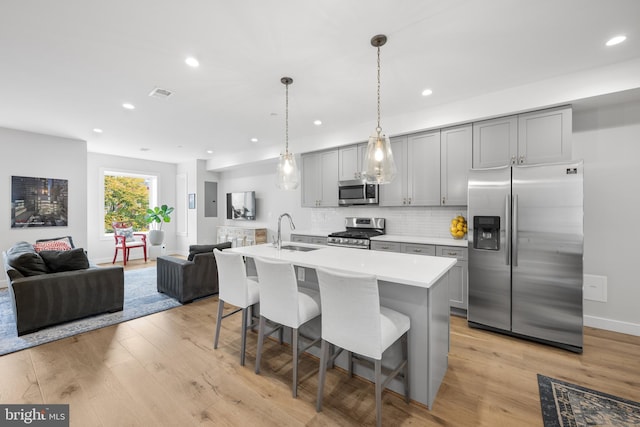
[[514, 241], [507, 229]]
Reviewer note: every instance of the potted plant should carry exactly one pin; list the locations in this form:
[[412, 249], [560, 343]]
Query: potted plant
[[155, 216]]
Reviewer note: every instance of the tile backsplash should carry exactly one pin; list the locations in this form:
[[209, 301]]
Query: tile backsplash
[[403, 221]]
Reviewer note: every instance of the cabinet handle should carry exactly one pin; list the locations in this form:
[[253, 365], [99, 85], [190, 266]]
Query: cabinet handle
[[417, 250], [443, 200], [409, 201], [404, 201], [452, 253], [521, 160], [384, 247], [513, 160]]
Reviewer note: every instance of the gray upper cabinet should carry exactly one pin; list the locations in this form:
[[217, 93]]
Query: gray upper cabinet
[[530, 138], [351, 162], [455, 154], [395, 193], [545, 136], [417, 158], [320, 179], [495, 142]]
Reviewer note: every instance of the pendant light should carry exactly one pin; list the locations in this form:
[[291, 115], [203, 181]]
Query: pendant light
[[379, 165], [287, 169]]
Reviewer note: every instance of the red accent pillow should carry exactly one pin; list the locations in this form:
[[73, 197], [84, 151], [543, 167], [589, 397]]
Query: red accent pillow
[[53, 245]]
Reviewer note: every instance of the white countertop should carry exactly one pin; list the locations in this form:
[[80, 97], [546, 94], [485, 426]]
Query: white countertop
[[415, 270], [443, 241]]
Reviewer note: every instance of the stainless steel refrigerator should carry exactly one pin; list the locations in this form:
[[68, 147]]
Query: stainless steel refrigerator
[[525, 252]]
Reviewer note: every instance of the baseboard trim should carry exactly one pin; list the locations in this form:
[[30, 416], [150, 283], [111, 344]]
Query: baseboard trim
[[612, 325]]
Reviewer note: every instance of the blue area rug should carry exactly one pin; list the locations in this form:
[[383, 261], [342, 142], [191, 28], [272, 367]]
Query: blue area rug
[[565, 404], [140, 299]]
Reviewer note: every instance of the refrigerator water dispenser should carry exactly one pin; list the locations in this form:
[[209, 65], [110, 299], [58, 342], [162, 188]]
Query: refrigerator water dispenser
[[486, 233]]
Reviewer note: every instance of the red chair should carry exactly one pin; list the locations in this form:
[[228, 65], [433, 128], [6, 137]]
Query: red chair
[[126, 239]]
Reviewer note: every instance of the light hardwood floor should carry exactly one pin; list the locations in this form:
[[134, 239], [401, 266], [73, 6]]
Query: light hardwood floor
[[162, 370]]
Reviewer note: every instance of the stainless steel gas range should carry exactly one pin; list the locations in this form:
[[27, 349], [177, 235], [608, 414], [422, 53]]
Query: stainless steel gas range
[[358, 232]]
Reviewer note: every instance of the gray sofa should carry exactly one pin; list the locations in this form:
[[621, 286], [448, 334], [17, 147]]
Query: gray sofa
[[195, 277], [45, 299]]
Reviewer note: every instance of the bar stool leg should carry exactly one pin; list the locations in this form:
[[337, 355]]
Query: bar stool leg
[[244, 336], [378, 378], [324, 356], [294, 344], [218, 322], [405, 357], [261, 327]]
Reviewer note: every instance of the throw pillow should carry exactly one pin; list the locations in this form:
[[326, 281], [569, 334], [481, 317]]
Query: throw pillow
[[70, 260], [21, 247], [52, 245], [199, 249], [67, 239], [23, 257], [126, 232]]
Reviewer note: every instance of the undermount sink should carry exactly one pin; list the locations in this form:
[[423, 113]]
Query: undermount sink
[[298, 248]]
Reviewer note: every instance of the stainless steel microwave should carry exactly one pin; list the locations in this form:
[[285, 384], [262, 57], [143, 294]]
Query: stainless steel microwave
[[357, 192]]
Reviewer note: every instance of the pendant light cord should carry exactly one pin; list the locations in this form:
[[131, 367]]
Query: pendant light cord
[[378, 129], [286, 120]]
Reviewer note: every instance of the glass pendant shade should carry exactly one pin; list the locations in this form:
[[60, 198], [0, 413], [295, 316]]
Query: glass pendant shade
[[378, 160], [287, 177], [287, 172], [380, 168]]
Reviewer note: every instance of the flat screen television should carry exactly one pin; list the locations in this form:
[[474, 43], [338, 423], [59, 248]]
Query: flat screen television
[[241, 205]]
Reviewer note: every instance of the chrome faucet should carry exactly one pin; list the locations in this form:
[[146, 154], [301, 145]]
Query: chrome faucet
[[293, 227]]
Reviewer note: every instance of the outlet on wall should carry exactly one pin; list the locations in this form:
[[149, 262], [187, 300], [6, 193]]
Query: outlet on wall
[[594, 288]]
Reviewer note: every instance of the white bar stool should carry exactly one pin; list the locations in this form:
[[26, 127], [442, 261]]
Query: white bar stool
[[283, 303], [353, 320], [236, 289]]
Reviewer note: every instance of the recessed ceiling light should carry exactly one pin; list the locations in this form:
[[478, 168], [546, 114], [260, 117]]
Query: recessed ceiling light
[[616, 40], [192, 62], [317, 122], [128, 106], [254, 139], [145, 149], [427, 92], [97, 130], [209, 151]]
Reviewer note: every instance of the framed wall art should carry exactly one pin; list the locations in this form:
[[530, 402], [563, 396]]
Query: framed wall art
[[39, 202]]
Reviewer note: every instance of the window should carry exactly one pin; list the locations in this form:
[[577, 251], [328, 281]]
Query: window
[[127, 196]]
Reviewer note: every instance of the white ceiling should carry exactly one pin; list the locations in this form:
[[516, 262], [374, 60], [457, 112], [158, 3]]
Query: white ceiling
[[67, 66]]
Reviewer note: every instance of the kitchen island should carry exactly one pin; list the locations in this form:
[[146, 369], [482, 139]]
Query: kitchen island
[[415, 285]]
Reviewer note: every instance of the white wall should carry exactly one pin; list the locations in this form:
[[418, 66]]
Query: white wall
[[199, 229], [270, 202], [101, 247], [608, 139], [36, 155]]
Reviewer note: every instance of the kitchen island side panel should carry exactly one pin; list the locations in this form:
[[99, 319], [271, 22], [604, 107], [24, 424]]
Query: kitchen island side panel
[[428, 310]]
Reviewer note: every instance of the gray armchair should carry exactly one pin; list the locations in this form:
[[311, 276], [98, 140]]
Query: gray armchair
[[195, 277]]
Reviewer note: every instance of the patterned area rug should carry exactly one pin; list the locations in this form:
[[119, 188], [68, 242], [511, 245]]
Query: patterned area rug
[[140, 299], [565, 404]]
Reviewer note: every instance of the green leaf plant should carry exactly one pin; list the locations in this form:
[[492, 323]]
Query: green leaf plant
[[158, 215]]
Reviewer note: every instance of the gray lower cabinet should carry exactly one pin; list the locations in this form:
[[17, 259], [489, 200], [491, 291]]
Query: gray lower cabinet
[[303, 238], [386, 246], [458, 275]]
